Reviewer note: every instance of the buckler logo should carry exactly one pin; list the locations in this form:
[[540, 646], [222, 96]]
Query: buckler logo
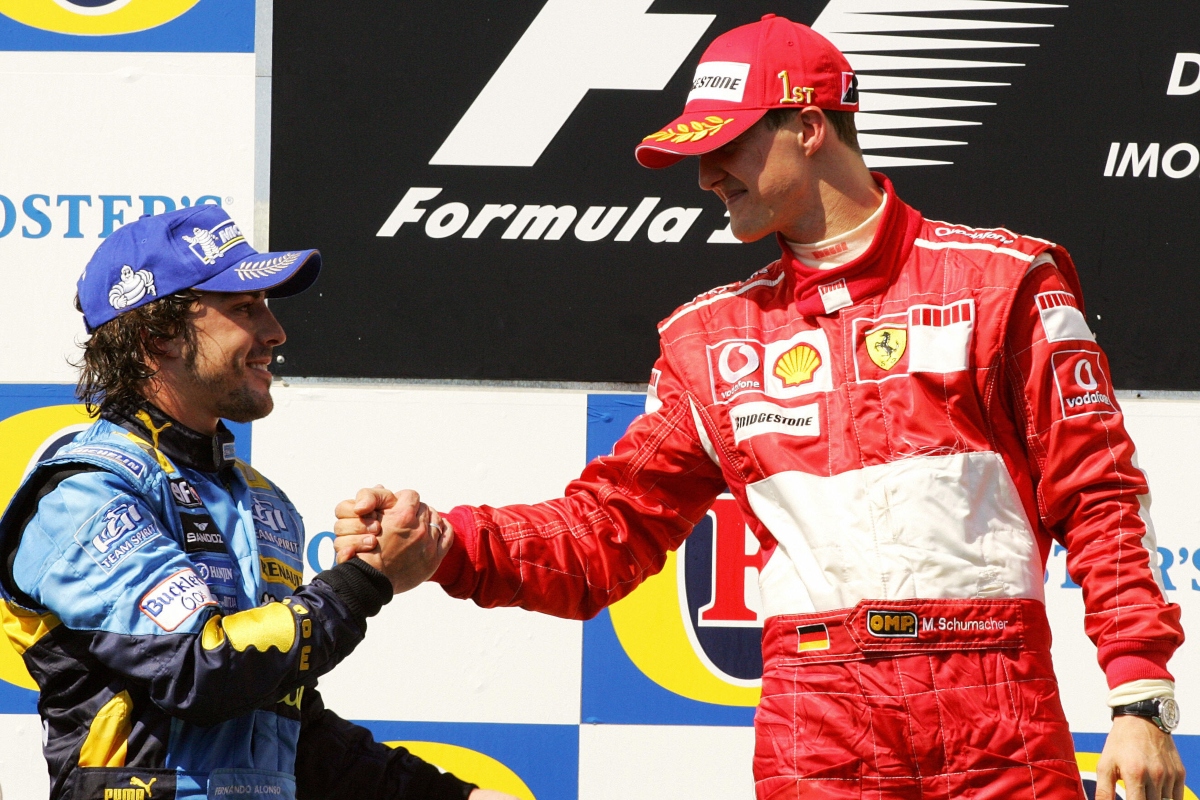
[[893, 624]]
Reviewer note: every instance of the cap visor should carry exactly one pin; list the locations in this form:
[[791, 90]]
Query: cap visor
[[694, 134], [278, 274]]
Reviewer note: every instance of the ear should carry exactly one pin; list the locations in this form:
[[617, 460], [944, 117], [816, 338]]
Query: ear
[[813, 128], [160, 349]]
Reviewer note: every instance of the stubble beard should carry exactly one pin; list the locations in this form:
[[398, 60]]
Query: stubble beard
[[232, 398]]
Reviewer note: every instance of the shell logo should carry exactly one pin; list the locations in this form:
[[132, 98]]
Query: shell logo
[[797, 366], [95, 17], [470, 765], [25, 439]]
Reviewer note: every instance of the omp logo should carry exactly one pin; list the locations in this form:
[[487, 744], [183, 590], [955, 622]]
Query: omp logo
[[95, 17], [695, 629], [572, 46], [893, 624]]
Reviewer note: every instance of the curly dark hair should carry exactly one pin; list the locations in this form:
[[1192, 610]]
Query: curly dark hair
[[116, 361], [842, 123]]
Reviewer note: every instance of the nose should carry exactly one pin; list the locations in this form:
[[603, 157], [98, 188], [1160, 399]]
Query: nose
[[711, 172], [271, 333]]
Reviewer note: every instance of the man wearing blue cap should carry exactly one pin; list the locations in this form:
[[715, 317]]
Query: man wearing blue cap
[[153, 582]]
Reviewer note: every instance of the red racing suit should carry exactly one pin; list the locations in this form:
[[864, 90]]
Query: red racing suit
[[907, 435]]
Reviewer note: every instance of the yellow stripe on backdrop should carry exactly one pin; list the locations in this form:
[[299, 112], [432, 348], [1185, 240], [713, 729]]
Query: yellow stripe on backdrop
[[469, 765], [651, 628], [22, 436], [119, 16]]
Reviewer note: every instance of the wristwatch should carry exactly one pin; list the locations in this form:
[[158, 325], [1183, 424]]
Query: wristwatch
[[1162, 711]]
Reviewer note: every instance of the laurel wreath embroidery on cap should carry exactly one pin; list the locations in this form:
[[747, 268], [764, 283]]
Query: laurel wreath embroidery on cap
[[263, 269], [697, 131]]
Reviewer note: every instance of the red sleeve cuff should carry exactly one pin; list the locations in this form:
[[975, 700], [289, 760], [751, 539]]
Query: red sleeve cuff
[[458, 563], [1137, 666]]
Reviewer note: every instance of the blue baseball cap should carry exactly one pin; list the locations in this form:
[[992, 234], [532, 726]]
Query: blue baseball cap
[[192, 248]]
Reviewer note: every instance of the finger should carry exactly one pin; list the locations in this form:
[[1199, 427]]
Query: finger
[[346, 547], [1105, 781], [355, 527], [443, 531], [345, 509], [374, 499]]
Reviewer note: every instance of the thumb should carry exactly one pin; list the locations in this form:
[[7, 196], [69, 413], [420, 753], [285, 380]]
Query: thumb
[[376, 498]]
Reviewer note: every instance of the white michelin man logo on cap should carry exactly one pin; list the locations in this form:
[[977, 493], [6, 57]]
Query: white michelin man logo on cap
[[132, 287]]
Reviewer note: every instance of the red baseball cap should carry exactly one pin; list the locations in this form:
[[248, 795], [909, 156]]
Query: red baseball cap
[[773, 63]]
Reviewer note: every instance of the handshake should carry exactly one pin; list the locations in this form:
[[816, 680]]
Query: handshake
[[393, 532]]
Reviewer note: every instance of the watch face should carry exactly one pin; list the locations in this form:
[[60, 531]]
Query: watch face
[[1168, 712]]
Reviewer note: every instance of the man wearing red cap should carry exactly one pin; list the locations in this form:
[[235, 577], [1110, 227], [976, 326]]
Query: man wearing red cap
[[910, 414]]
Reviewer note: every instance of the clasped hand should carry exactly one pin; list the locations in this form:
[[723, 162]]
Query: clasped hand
[[394, 532]]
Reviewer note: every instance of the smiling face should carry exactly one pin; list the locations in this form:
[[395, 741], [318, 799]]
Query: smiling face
[[225, 372], [766, 179]]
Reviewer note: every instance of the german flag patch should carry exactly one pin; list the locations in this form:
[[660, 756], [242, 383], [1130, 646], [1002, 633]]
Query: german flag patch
[[812, 637]]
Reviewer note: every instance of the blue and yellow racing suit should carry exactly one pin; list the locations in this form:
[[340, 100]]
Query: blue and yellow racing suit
[[153, 584]]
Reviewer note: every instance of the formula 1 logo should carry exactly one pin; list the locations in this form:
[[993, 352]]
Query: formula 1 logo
[[95, 17], [574, 46]]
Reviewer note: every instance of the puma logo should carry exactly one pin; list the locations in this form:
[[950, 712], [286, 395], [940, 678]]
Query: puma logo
[[142, 784], [144, 418]]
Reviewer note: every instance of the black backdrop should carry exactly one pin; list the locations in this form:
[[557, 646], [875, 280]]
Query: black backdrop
[[365, 94]]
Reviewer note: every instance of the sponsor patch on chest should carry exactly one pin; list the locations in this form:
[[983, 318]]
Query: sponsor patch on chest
[[756, 419], [923, 338], [782, 370], [174, 600], [120, 529]]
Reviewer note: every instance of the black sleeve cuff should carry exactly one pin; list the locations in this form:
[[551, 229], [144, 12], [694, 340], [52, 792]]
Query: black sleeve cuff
[[361, 587]]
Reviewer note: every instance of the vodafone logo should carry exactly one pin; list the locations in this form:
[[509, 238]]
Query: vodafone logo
[[1085, 378], [1082, 385], [748, 356]]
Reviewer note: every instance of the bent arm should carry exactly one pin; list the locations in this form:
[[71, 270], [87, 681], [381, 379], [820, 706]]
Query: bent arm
[[140, 609], [338, 760]]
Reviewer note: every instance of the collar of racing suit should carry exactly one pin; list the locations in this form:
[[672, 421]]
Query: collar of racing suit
[[180, 443], [867, 275]]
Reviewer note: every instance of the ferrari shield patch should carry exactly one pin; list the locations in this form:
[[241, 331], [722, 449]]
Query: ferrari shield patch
[[885, 346]]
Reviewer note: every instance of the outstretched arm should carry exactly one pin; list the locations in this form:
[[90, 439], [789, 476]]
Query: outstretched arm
[[611, 530]]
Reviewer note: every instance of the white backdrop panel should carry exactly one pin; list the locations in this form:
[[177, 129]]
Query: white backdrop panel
[[105, 124], [450, 660], [665, 762]]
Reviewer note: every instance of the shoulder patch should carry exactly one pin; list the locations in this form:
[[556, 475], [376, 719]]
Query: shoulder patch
[[254, 478], [113, 455], [1062, 321]]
